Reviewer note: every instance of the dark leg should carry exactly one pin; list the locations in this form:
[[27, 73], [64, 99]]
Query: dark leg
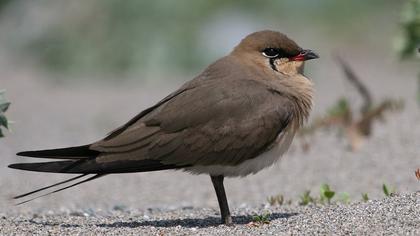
[[221, 197]]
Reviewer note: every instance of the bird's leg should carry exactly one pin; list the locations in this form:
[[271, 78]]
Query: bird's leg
[[221, 198]]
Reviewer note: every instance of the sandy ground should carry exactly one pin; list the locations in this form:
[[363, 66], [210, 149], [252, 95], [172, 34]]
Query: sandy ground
[[48, 115]]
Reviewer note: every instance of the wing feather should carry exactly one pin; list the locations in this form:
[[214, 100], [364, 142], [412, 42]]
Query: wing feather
[[209, 124]]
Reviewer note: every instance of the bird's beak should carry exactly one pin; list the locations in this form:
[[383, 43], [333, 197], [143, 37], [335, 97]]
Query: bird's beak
[[305, 55]]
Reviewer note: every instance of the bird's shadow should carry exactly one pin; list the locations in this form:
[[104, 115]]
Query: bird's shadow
[[192, 222], [187, 223]]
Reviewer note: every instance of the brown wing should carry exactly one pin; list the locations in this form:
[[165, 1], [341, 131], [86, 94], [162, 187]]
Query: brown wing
[[217, 122]]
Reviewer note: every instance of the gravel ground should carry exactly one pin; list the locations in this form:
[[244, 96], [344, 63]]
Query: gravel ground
[[397, 215]]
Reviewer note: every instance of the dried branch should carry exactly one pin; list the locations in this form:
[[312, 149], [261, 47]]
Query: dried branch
[[357, 83], [341, 114]]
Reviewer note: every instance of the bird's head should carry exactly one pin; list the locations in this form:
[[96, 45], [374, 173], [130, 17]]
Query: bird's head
[[274, 51]]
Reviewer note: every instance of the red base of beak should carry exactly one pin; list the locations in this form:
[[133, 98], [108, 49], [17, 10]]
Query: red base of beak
[[305, 55]]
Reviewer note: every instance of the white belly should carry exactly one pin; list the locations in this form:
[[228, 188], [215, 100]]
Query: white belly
[[253, 165]]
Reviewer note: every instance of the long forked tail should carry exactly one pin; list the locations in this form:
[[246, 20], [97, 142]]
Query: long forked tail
[[81, 160], [74, 155]]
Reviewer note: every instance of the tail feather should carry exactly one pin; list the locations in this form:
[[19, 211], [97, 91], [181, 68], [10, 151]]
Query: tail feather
[[81, 160], [49, 186], [93, 167], [54, 166], [60, 189], [79, 152]]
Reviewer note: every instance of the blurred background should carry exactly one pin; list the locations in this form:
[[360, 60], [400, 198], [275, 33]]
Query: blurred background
[[75, 70]]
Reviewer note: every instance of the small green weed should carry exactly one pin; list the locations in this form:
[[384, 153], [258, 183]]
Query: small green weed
[[306, 198], [365, 197], [261, 219], [387, 191], [326, 194]]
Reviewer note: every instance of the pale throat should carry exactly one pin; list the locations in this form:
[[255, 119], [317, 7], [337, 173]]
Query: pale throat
[[287, 67]]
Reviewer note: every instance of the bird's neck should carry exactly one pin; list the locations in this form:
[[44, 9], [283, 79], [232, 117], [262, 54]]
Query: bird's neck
[[300, 91], [297, 87]]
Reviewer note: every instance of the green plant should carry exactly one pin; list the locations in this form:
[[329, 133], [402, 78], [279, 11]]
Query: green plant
[[276, 200], [365, 197], [408, 42], [409, 39], [306, 198], [341, 108], [344, 198], [326, 194], [387, 191], [261, 219], [4, 105]]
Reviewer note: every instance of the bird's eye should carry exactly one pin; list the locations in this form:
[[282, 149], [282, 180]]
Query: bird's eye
[[271, 52]]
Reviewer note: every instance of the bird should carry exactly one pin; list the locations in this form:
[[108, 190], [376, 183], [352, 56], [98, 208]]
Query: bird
[[235, 118]]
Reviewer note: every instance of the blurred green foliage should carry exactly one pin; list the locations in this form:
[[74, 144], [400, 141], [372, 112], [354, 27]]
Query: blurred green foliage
[[110, 37], [340, 109], [4, 3], [4, 105], [409, 42], [344, 197]]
